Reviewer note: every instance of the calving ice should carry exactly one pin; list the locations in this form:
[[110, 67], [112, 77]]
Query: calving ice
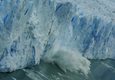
[[67, 59], [65, 32]]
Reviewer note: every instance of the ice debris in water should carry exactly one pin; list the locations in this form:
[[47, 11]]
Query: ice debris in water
[[67, 59]]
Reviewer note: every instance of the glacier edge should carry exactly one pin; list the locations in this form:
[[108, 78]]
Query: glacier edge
[[28, 29]]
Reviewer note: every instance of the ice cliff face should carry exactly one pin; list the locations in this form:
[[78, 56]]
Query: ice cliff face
[[29, 28], [18, 46], [84, 25]]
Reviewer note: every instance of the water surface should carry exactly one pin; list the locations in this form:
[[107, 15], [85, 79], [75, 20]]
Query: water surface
[[100, 70]]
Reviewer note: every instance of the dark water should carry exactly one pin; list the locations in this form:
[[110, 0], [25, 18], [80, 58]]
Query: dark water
[[100, 70]]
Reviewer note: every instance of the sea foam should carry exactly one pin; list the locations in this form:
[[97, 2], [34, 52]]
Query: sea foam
[[68, 59]]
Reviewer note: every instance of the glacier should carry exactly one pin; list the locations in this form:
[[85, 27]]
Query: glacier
[[30, 28]]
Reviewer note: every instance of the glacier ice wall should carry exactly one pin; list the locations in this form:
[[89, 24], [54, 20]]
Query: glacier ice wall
[[78, 24], [18, 46], [28, 29]]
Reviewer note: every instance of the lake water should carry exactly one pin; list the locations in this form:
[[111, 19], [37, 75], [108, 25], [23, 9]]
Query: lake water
[[100, 70]]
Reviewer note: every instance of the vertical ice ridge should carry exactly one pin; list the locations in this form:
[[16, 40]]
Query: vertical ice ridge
[[18, 45]]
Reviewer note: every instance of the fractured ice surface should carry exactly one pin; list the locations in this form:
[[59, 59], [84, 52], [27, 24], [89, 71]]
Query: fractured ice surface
[[29, 29], [18, 46]]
